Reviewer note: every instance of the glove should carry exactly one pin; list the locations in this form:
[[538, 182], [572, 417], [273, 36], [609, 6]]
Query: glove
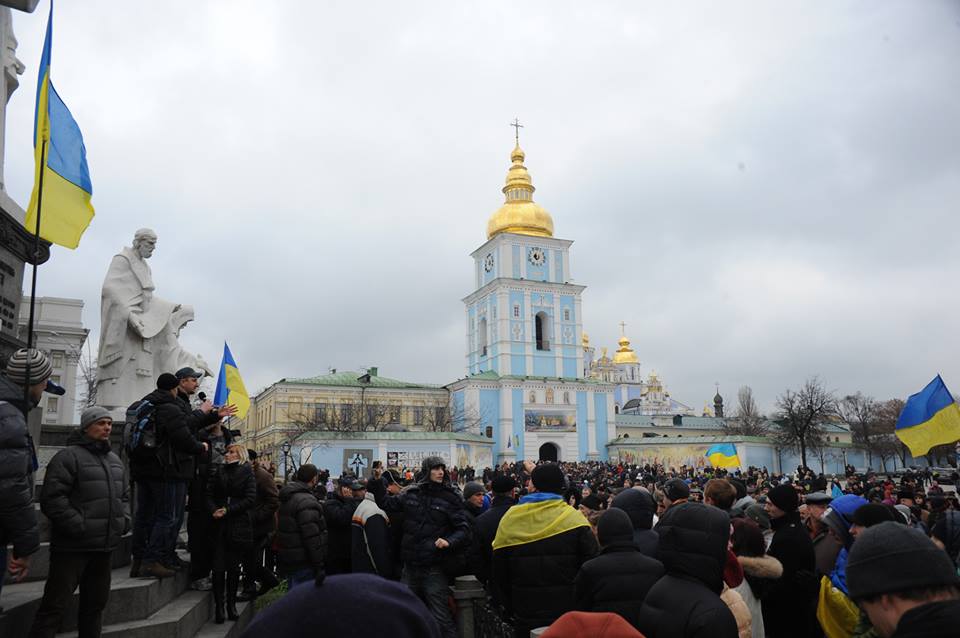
[[319, 578]]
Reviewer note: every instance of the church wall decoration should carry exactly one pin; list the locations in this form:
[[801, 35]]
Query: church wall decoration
[[550, 420]]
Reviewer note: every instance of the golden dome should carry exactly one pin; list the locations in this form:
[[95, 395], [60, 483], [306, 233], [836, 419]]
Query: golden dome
[[625, 353], [585, 340], [519, 213]]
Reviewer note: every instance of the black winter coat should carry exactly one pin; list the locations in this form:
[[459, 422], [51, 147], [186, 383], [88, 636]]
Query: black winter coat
[[616, 581], [534, 581], [177, 449], [264, 513], [430, 511], [338, 512], [301, 530], [18, 518], [485, 526], [789, 603], [685, 602], [232, 485], [84, 495], [933, 620], [640, 506]]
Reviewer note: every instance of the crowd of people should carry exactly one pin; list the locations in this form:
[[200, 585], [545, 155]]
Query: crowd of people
[[586, 547]]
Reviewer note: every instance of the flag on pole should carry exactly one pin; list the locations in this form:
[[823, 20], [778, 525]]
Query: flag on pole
[[60, 164], [723, 455], [930, 417], [230, 388]]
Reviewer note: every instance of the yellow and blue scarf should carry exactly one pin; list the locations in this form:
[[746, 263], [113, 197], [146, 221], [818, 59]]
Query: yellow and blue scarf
[[537, 516]]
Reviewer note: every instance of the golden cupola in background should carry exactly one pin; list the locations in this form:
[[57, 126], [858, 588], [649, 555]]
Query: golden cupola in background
[[625, 353], [519, 213]]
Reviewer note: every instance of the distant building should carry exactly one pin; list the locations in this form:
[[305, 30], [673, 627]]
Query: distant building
[[347, 401], [58, 331]]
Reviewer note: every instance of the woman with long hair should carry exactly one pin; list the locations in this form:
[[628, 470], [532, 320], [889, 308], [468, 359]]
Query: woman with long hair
[[759, 570], [231, 494]]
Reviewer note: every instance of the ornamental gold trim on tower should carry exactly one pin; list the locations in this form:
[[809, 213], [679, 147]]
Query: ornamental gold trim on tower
[[519, 213]]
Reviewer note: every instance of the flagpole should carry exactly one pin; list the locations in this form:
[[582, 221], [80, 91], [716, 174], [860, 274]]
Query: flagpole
[[36, 258]]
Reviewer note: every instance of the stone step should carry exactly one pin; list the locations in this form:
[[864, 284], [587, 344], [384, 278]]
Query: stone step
[[228, 629], [40, 561], [131, 599]]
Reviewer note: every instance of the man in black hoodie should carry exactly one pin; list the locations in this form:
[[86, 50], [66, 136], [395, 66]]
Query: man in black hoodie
[[789, 605], [161, 481], [639, 506], [619, 578], [338, 509], [685, 603]]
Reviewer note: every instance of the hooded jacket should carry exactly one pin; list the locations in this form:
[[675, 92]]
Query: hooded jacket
[[758, 572], [686, 601], [338, 515], [18, 518], [540, 546], [84, 495], [301, 530], [640, 507], [619, 578], [371, 539]]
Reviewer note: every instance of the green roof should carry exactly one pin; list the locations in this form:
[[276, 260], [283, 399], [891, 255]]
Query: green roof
[[349, 379]]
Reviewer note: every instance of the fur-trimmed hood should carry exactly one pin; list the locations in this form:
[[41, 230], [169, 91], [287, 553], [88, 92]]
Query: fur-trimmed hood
[[761, 566]]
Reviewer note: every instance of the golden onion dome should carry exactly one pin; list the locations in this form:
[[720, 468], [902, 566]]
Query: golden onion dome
[[519, 213], [625, 353], [585, 340]]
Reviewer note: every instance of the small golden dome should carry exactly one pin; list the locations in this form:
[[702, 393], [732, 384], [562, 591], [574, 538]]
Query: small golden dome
[[585, 340], [625, 353], [519, 213]]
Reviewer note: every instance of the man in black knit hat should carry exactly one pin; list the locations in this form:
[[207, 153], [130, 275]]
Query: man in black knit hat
[[788, 605], [905, 584]]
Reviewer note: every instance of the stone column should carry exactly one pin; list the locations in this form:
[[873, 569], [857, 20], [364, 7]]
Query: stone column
[[466, 590]]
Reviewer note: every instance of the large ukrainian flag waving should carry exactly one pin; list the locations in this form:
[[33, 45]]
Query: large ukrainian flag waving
[[930, 417], [61, 185], [230, 388]]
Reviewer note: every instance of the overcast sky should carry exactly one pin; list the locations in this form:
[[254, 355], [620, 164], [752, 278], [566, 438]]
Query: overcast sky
[[761, 191]]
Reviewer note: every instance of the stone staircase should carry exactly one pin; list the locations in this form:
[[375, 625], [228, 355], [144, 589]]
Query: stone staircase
[[137, 608]]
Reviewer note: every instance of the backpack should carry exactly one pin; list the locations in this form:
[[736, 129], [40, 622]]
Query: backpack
[[140, 430]]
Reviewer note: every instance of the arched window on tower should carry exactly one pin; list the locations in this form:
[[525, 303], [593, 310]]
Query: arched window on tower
[[482, 336], [542, 327]]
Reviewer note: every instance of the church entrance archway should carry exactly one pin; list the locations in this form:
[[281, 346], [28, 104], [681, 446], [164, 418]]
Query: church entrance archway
[[549, 452]]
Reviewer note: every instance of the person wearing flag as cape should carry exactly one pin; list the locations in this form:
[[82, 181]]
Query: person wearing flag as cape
[[540, 545]]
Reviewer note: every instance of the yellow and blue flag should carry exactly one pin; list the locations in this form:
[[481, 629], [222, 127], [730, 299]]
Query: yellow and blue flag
[[930, 417], [230, 388], [723, 455], [61, 184]]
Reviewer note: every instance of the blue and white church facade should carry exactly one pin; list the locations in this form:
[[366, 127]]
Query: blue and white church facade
[[528, 387]]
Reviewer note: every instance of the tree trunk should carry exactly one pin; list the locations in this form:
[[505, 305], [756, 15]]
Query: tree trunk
[[803, 452]]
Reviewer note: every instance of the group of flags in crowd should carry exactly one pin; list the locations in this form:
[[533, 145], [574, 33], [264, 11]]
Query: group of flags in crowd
[[61, 202]]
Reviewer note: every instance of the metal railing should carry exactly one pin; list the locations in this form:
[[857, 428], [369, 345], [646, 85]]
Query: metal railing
[[488, 623]]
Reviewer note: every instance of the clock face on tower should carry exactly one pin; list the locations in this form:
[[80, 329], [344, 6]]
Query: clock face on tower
[[488, 262], [536, 256]]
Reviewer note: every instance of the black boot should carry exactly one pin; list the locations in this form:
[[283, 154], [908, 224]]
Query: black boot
[[219, 587], [233, 581]]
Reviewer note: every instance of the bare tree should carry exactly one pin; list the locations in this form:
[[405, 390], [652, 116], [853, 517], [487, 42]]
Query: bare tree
[[747, 419], [802, 416], [887, 443], [859, 412], [87, 365]]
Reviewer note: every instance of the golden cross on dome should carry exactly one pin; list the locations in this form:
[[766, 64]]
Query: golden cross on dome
[[516, 126], [623, 329]]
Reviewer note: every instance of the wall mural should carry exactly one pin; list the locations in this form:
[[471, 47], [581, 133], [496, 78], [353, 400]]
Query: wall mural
[[550, 420]]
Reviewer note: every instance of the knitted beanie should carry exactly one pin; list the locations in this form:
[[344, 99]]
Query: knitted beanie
[[614, 526], [472, 488], [548, 477], [167, 381], [784, 497], [40, 368], [873, 514], [93, 414], [891, 557]]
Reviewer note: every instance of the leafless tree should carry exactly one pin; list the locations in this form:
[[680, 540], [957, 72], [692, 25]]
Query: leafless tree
[[887, 444], [802, 416], [747, 419], [859, 412], [87, 365]]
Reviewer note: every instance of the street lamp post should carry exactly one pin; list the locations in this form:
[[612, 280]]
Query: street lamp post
[[285, 448]]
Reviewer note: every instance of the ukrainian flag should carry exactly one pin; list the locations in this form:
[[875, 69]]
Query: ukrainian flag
[[930, 417], [230, 388], [723, 455], [63, 204]]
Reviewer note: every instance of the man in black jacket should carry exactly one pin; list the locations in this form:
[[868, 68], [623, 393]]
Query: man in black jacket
[[161, 481], [540, 546], [18, 461], [789, 605], [619, 578], [435, 526], [639, 505], [685, 602], [84, 496], [301, 530], [504, 490], [338, 510]]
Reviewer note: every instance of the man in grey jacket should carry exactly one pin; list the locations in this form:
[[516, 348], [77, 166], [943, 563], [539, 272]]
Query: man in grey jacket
[[18, 461], [84, 496]]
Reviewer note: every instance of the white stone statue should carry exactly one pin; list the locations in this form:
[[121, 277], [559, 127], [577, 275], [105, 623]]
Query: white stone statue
[[138, 331], [12, 67]]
